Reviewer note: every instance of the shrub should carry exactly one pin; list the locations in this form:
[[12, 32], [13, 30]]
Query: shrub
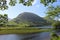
[[54, 36], [56, 25]]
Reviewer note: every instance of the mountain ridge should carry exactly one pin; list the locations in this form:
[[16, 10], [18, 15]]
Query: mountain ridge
[[30, 18]]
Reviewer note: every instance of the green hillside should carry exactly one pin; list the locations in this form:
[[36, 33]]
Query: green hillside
[[30, 19]]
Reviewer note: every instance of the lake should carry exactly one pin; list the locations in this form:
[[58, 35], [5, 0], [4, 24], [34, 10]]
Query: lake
[[37, 36]]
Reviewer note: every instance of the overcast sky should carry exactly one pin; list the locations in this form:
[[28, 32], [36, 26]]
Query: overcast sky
[[36, 8]]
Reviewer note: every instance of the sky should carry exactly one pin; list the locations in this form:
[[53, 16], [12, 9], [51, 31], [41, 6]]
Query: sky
[[36, 8]]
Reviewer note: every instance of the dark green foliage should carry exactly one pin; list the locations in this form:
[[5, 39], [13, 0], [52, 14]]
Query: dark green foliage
[[53, 12], [6, 18], [49, 20], [30, 19], [12, 2], [47, 2], [56, 25], [4, 6], [54, 36], [21, 1], [3, 19]]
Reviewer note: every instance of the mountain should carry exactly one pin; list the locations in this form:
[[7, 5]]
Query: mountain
[[30, 18], [9, 19]]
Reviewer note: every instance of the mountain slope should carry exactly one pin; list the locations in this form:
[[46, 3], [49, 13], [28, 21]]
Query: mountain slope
[[30, 18]]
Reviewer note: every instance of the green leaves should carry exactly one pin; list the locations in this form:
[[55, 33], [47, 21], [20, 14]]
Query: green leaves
[[56, 25], [43, 2], [53, 12], [21, 1], [4, 6], [12, 2], [52, 1], [3, 19], [47, 2], [27, 3]]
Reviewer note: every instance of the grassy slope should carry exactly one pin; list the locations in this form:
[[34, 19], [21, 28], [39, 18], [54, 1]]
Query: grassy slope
[[14, 30]]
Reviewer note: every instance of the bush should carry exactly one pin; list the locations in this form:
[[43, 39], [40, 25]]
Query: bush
[[56, 25], [54, 36]]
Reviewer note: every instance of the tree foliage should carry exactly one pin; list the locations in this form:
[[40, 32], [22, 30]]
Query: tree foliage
[[53, 12], [3, 19], [57, 23], [56, 26], [47, 2], [4, 6], [49, 20]]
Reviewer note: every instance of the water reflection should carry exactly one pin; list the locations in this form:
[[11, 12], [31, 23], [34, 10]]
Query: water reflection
[[38, 36], [9, 37]]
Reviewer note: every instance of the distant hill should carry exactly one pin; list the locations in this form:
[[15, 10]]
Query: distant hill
[[30, 18], [9, 19]]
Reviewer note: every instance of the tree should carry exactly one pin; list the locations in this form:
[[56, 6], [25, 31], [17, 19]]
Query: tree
[[53, 12], [56, 25], [49, 20], [4, 6], [3, 19]]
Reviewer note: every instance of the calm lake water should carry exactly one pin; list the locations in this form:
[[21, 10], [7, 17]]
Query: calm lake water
[[37, 36]]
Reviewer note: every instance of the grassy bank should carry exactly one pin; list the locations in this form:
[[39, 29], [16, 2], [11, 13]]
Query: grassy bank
[[54, 38], [14, 30]]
